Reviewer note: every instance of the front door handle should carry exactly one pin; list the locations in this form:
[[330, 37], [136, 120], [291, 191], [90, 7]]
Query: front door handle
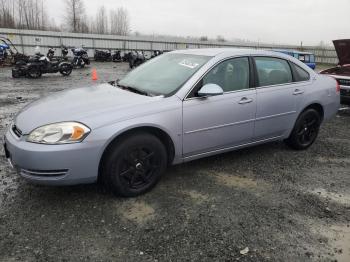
[[245, 100], [298, 92]]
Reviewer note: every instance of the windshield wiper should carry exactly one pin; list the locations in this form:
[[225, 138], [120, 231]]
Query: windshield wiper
[[134, 90]]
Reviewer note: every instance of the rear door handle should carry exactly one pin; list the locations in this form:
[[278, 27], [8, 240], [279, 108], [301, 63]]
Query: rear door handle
[[245, 100], [298, 92]]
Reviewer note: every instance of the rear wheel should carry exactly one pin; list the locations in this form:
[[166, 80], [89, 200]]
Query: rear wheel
[[34, 72], [135, 165], [305, 130], [66, 69]]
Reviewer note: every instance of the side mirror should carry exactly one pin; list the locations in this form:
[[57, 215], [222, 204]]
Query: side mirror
[[210, 90]]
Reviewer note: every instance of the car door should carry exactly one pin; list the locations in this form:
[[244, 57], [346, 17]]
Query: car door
[[278, 98], [222, 121]]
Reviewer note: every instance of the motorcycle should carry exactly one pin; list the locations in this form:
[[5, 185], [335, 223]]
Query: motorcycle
[[81, 57], [50, 54], [103, 56], [126, 57], [136, 58], [117, 57], [156, 53], [64, 52], [40, 64]]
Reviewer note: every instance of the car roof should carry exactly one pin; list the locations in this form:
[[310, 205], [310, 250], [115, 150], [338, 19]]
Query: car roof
[[293, 51], [227, 52]]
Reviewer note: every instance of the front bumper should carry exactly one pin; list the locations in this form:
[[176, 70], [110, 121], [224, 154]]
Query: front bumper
[[67, 164]]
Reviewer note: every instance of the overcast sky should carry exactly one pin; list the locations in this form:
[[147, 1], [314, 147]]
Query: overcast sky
[[274, 21]]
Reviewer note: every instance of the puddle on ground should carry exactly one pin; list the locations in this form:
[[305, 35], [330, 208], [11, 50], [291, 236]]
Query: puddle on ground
[[196, 197], [340, 198], [137, 211], [334, 160]]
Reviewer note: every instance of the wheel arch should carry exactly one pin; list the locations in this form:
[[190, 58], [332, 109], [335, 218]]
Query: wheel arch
[[162, 135], [317, 106], [314, 105]]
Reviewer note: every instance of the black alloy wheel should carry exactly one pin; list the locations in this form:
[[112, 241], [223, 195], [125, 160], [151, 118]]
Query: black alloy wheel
[[134, 165], [305, 130], [138, 166]]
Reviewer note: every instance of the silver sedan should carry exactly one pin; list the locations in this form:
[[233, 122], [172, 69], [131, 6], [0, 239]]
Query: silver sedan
[[178, 107]]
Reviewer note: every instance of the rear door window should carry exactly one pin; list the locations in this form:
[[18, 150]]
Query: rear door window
[[272, 71]]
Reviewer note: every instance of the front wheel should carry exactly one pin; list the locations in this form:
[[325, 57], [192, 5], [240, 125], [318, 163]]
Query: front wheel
[[135, 165], [305, 130]]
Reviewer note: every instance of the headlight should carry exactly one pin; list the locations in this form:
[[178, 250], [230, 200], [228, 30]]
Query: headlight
[[60, 133]]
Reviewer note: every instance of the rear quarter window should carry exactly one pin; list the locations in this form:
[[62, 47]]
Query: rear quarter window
[[299, 73]]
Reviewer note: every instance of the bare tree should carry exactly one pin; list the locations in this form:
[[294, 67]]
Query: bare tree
[[75, 15], [30, 14], [119, 19], [101, 23], [27, 14], [6, 16], [220, 38]]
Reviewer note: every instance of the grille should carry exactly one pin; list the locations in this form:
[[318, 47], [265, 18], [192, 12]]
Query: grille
[[44, 173], [17, 131], [345, 92], [344, 82]]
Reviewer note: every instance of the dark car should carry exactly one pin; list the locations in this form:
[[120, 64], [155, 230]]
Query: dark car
[[342, 71]]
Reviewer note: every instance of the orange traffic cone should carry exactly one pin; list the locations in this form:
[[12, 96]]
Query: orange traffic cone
[[94, 76]]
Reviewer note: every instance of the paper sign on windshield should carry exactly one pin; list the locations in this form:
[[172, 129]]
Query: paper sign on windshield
[[188, 64]]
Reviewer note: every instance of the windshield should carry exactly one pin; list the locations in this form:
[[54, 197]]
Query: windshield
[[165, 74]]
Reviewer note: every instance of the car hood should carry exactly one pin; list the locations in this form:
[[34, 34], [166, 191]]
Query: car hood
[[93, 106], [342, 48]]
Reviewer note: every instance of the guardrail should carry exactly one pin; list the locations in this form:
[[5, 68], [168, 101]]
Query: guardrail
[[26, 40]]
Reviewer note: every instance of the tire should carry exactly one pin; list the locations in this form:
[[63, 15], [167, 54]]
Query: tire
[[134, 166], [66, 70], [15, 74], [34, 72], [305, 130]]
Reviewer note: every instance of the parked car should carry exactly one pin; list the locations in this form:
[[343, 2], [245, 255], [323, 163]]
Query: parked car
[[342, 71], [175, 108], [305, 57]]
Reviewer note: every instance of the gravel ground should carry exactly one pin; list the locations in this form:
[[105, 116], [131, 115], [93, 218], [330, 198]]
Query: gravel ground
[[266, 203]]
